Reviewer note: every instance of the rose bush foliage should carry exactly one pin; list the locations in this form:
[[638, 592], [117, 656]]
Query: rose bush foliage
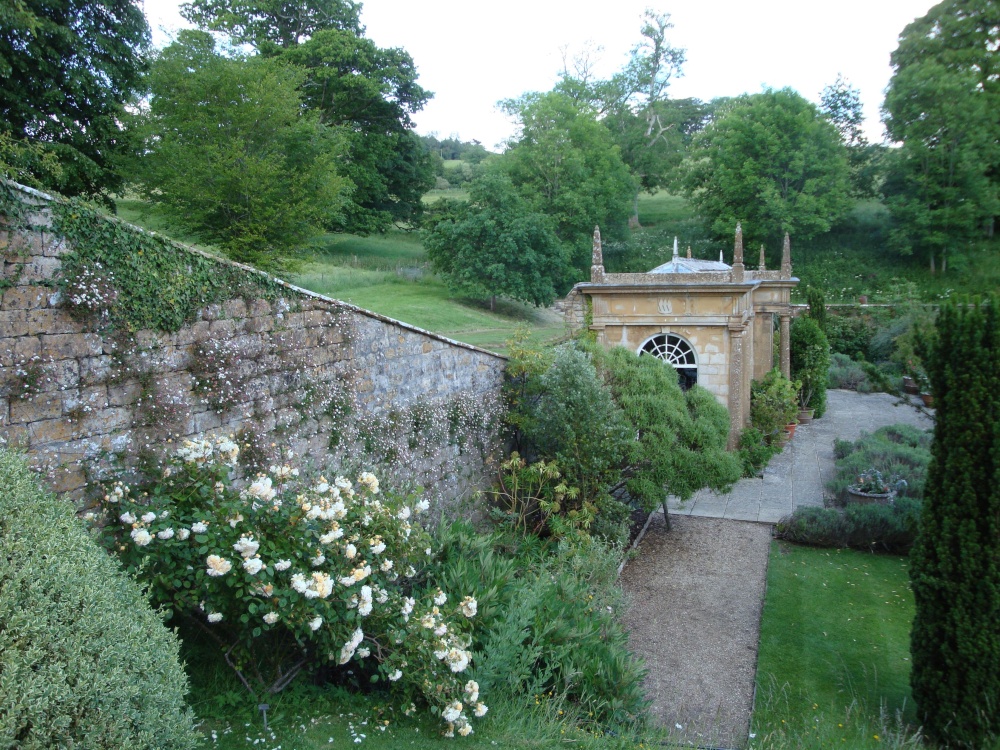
[[290, 573]]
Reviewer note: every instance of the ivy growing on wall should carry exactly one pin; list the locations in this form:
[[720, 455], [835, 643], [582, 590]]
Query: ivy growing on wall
[[157, 284]]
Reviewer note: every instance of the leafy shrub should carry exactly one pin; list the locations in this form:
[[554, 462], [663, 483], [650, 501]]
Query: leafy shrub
[[84, 661], [810, 363], [847, 374], [773, 403], [898, 450], [848, 335], [681, 436], [291, 573], [884, 528], [548, 620], [754, 451]]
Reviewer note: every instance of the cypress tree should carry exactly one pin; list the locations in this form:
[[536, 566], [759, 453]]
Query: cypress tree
[[955, 563]]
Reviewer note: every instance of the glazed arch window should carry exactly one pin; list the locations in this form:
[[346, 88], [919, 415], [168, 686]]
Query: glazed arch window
[[677, 353]]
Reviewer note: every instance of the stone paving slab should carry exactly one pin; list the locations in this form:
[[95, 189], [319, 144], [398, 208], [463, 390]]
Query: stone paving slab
[[798, 475]]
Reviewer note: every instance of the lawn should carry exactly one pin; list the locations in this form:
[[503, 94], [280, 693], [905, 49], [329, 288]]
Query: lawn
[[834, 662]]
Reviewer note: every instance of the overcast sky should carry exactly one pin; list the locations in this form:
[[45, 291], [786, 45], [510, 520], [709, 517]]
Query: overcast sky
[[471, 53]]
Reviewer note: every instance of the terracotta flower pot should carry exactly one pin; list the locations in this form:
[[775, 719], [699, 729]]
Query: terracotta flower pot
[[806, 416], [910, 385], [928, 399], [790, 429]]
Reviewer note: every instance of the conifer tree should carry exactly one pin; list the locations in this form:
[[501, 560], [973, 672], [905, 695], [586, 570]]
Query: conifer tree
[[955, 564]]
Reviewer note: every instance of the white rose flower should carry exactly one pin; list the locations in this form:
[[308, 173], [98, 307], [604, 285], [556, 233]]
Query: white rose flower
[[480, 710], [141, 537], [395, 675], [167, 533], [148, 517], [218, 566], [440, 598], [127, 518], [215, 617], [253, 565], [271, 617], [315, 623], [199, 528], [183, 534], [468, 607], [283, 565]]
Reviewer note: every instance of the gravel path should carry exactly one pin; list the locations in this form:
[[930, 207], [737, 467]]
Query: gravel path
[[697, 591]]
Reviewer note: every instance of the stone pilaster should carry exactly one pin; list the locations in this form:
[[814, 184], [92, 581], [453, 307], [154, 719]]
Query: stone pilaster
[[736, 373], [786, 258], [786, 350]]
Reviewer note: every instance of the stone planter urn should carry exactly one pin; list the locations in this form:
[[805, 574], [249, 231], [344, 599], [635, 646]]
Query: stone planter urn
[[910, 386], [857, 497], [806, 416], [928, 399]]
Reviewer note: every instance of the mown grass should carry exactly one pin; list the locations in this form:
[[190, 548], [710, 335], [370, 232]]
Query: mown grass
[[833, 666]]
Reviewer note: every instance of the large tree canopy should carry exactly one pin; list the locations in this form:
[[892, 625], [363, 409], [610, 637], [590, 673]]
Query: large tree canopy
[[942, 104], [773, 162], [231, 153], [369, 91], [497, 246], [66, 69], [567, 166]]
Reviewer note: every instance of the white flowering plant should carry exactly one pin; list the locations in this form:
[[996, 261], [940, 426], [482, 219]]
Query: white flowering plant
[[290, 573]]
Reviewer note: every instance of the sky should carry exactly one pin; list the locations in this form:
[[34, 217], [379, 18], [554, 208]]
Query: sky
[[472, 54]]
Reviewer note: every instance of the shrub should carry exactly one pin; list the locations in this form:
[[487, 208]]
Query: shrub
[[848, 336], [847, 374], [548, 620], [291, 573], [84, 660], [877, 528], [754, 451], [773, 403], [810, 360], [681, 436], [899, 451]]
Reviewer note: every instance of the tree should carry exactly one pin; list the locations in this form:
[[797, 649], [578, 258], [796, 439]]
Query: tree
[[955, 563], [367, 91], [810, 361], [840, 103], [67, 68], [566, 166], [232, 154], [496, 246], [941, 105], [773, 162], [651, 131]]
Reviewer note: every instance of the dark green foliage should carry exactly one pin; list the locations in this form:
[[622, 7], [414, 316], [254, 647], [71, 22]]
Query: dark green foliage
[[817, 306], [367, 92], [84, 661], [898, 451], [546, 622], [773, 404], [681, 444], [231, 154], [810, 360], [67, 70], [158, 285], [497, 246], [849, 335], [955, 563], [876, 528], [773, 162], [942, 187], [576, 422], [754, 451]]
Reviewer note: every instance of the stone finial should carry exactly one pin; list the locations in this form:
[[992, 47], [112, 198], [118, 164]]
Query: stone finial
[[597, 262], [721, 259], [689, 252], [761, 266], [738, 245], [786, 258], [738, 254], [675, 249]]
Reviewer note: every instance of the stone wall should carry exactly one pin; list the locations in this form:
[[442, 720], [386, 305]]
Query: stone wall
[[335, 383]]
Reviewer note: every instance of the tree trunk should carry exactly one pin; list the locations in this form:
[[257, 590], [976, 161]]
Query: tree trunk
[[933, 269], [493, 303], [633, 221]]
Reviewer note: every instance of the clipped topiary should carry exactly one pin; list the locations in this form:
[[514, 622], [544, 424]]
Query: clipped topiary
[[955, 563], [84, 661]]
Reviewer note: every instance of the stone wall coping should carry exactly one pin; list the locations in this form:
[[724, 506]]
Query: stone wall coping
[[291, 287]]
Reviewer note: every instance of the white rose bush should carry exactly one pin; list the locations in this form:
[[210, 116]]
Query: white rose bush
[[291, 573]]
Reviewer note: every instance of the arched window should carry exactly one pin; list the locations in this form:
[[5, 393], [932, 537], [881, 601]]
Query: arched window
[[676, 352]]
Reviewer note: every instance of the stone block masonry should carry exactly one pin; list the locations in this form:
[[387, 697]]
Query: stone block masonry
[[344, 388]]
